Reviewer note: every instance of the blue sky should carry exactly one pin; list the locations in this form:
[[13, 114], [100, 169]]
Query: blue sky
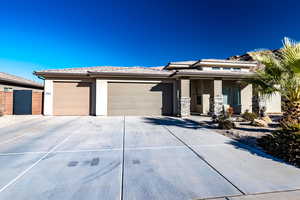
[[44, 34]]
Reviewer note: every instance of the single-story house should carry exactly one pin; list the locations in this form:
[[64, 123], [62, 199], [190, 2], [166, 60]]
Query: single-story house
[[19, 95], [179, 88]]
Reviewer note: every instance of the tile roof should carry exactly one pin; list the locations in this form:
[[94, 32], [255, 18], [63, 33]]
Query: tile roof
[[108, 69], [18, 80], [169, 70]]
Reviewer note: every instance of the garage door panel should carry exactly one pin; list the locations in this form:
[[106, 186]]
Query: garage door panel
[[140, 98], [72, 98]]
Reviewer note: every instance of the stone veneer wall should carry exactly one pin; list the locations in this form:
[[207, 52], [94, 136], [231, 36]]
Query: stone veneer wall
[[184, 106], [216, 105]]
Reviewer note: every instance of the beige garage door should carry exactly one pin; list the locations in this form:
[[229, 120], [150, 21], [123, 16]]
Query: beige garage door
[[71, 98], [140, 99]]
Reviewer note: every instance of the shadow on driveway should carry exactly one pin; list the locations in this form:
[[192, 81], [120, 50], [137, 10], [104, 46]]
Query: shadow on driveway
[[170, 121], [254, 151], [191, 124]]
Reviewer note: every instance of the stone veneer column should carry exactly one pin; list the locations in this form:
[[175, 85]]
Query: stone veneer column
[[185, 99], [217, 97]]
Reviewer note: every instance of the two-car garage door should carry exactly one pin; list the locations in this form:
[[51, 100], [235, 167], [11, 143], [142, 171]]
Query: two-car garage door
[[126, 98], [123, 98]]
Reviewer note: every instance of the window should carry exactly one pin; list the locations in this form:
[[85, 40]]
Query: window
[[199, 100], [7, 89], [236, 69], [226, 68], [216, 68]]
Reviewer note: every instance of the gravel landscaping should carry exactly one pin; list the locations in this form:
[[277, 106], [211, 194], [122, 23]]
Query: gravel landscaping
[[244, 132]]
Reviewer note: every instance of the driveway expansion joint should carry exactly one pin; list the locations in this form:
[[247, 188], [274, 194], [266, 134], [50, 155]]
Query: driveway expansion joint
[[13, 181], [200, 157], [123, 160]]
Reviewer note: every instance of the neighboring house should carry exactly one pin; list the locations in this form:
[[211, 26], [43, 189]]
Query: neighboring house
[[19, 95], [178, 88]]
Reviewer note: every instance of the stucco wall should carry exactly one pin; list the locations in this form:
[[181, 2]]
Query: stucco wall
[[48, 97], [246, 98], [273, 104], [185, 87], [101, 97]]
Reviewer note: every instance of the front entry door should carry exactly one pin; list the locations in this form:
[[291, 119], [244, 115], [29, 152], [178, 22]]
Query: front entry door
[[232, 97]]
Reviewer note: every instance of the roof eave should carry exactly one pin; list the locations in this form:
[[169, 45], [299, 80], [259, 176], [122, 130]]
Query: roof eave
[[22, 83], [217, 75], [226, 64], [47, 74], [128, 74]]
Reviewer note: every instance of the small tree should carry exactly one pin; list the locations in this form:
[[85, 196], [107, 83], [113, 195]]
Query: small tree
[[281, 74]]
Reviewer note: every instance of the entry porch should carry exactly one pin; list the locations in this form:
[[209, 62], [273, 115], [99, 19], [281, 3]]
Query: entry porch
[[210, 96]]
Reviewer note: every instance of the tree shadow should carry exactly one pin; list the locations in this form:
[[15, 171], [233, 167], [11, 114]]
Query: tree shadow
[[254, 129], [172, 121], [238, 144], [243, 143]]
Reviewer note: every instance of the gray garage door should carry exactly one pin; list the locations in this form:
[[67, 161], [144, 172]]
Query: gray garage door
[[140, 99]]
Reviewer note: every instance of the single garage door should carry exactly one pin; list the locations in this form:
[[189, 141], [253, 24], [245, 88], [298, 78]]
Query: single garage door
[[72, 98], [140, 98]]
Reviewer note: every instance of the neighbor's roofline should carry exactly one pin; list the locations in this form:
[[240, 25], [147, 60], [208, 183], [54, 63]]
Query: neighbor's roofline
[[36, 85]]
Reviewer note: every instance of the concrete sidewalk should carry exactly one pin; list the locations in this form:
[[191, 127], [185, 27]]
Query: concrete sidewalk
[[287, 195]]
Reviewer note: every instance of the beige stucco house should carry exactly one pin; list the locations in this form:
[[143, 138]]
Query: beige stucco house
[[179, 89]]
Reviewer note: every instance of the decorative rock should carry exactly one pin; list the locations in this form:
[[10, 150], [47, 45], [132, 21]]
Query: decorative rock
[[239, 119], [260, 123], [267, 119]]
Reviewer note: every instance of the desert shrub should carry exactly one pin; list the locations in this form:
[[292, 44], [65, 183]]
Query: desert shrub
[[248, 116], [283, 144], [225, 123]]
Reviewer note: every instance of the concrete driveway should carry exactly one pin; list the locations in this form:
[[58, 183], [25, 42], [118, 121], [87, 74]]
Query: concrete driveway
[[130, 158]]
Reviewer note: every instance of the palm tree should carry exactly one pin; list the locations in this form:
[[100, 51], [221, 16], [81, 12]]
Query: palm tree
[[281, 74]]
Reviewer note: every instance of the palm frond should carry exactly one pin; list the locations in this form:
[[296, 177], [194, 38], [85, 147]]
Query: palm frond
[[291, 55], [281, 72]]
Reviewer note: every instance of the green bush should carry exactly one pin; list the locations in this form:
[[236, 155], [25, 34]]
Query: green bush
[[283, 144], [248, 116]]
